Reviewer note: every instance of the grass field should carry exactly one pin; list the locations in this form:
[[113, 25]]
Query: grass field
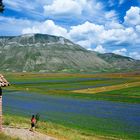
[[114, 87], [5, 137], [82, 105]]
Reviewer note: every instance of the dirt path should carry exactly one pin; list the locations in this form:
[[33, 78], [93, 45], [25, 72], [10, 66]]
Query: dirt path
[[25, 134]]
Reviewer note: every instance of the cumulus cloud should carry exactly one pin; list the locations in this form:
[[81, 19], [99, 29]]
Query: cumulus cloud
[[114, 25], [100, 49], [121, 51], [99, 35], [85, 31], [132, 17], [82, 10], [47, 27], [63, 7]]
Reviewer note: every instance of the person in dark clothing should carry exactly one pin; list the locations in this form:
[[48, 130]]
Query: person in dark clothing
[[33, 122]]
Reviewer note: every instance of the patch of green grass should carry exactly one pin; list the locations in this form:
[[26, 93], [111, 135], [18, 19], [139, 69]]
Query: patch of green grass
[[52, 129], [5, 137], [131, 95], [61, 131]]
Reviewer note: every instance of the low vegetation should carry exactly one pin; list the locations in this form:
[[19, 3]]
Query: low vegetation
[[5, 137], [121, 87], [52, 129]]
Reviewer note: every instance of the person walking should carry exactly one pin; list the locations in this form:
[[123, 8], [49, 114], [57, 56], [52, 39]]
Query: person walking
[[33, 122]]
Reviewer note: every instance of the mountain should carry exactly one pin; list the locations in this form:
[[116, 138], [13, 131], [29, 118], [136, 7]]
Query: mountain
[[120, 62], [47, 53]]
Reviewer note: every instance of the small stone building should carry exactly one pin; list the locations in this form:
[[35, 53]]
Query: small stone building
[[3, 83]]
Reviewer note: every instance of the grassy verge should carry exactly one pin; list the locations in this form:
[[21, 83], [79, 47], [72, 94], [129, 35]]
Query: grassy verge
[[51, 129], [68, 133], [5, 137]]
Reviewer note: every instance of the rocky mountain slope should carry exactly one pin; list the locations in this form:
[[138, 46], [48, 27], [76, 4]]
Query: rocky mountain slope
[[47, 53]]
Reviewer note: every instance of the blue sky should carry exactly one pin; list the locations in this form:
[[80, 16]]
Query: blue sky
[[98, 25]]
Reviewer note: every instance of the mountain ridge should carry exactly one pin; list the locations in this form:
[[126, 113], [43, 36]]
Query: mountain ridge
[[49, 53]]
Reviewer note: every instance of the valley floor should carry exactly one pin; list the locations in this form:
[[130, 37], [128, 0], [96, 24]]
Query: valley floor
[[69, 107]]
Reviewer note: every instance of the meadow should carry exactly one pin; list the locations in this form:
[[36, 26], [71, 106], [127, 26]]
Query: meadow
[[91, 105]]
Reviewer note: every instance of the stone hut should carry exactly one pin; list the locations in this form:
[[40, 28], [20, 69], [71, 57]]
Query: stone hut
[[3, 83]]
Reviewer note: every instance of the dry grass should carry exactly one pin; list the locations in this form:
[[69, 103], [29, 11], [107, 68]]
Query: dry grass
[[107, 88]]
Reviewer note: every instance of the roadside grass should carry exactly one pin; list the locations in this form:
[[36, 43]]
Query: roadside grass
[[66, 133], [52, 129], [5, 137]]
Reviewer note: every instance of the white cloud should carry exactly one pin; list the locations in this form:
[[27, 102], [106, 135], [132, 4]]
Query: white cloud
[[13, 26], [79, 10], [138, 28], [100, 49], [121, 51], [85, 43], [100, 35], [135, 55], [63, 7], [119, 36], [132, 17], [47, 27], [111, 15], [114, 25], [86, 31]]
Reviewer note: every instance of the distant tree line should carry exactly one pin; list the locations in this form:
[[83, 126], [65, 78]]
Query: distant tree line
[[1, 6]]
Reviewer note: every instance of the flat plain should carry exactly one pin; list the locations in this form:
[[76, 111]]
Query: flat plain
[[102, 105]]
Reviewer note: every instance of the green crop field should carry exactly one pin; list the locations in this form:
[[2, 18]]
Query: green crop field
[[106, 106], [65, 84]]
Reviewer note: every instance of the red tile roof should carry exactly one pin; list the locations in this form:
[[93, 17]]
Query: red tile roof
[[3, 81]]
